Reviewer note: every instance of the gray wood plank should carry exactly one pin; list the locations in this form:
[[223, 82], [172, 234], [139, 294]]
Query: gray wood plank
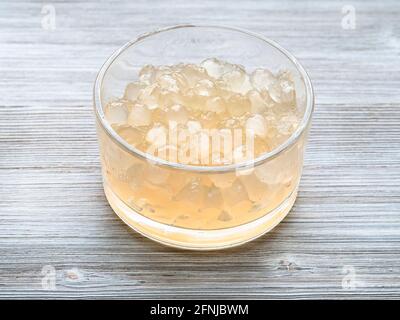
[[52, 208]]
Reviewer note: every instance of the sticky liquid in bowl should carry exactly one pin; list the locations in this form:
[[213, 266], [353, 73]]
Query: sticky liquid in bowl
[[210, 114]]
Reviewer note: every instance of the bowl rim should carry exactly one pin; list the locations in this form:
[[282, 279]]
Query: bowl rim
[[306, 119]]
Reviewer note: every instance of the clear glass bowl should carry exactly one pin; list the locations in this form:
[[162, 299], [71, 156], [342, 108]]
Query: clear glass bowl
[[167, 201]]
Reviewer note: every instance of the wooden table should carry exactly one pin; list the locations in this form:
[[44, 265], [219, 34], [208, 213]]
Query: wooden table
[[342, 238]]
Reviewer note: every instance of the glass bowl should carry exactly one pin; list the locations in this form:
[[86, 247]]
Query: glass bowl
[[192, 206]]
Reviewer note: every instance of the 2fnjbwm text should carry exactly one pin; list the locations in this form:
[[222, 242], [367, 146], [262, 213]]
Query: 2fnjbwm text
[[201, 309]]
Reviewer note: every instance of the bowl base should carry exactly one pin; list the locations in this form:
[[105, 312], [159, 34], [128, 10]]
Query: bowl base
[[191, 239]]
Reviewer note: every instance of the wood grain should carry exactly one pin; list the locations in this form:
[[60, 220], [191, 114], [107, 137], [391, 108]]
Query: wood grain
[[52, 207]]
